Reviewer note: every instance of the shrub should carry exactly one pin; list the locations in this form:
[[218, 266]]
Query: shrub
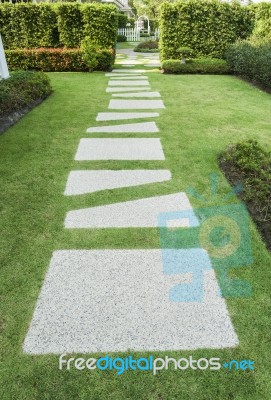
[[21, 90], [196, 66], [70, 24], [58, 60], [28, 25], [51, 25], [262, 15], [251, 60], [122, 20], [147, 46], [100, 24], [249, 164], [121, 38], [205, 26]]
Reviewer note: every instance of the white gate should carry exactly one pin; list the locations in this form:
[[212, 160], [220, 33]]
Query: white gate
[[132, 35], [3, 64]]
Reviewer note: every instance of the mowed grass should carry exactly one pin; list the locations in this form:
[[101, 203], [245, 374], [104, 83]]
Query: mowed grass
[[203, 115]]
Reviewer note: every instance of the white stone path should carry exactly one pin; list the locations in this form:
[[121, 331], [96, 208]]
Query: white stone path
[[119, 300]]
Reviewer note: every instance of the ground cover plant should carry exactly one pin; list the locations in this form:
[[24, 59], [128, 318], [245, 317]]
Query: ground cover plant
[[203, 115], [20, 93], [248, 164]]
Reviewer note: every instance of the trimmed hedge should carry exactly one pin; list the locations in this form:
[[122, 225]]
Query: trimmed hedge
[[21, 90], [57, 60], [262, 16], [122, 20], [247, 163], [251, 61], [197, 66], [28, 25], [205, 26], [150, 46]]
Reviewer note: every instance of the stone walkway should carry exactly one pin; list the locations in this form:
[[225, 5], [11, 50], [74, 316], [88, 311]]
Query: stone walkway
[[120, 300]]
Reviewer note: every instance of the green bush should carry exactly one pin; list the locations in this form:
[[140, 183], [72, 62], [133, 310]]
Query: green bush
[[21, 90], [262, 16], [121, 38], [70, 24], [251, 60], [148, 46], [196, 66], [100, 24], [247, 163], [205, 26], [122, 20], [57, 60], [28, 25]]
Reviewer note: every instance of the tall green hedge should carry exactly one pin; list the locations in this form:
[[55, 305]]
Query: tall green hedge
[[262, 15], [28, 25], [205, 26]]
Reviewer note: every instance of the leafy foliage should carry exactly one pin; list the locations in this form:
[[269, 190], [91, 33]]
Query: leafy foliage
[[196, 66], [249, 164], [147, 46], [251, 60], [58, 60], [52, 25], [205, 26], [22, 89]]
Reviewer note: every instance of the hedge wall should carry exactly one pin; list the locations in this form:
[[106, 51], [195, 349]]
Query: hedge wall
[[205, 26], [262, 16], [56, 60], [28, 25]]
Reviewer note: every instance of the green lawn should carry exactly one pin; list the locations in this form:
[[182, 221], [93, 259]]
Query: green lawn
[[203, 115]]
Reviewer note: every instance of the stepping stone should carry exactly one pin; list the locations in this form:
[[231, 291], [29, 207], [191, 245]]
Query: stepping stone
[[119, 149], [114, 75], [129, 83], [106, 301], [127, 65], [120, 70], [135, 78], [135, 104], [127, 89], [142, 127], [153, 65], [82, 182], [138, 94], [111, 116], [141, 213]]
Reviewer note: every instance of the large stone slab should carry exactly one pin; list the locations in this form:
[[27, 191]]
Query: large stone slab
[[109, 301], [114, 116], [134, 78], [135, 104], [82, 182], [142, 127], [129, 83], [114, 75], [138, 94], [120, 70], [142, 213], [127, 89], [119, 149]]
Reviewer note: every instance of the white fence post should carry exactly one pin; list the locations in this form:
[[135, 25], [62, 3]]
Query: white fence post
[[3, 63], [132, 35]]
